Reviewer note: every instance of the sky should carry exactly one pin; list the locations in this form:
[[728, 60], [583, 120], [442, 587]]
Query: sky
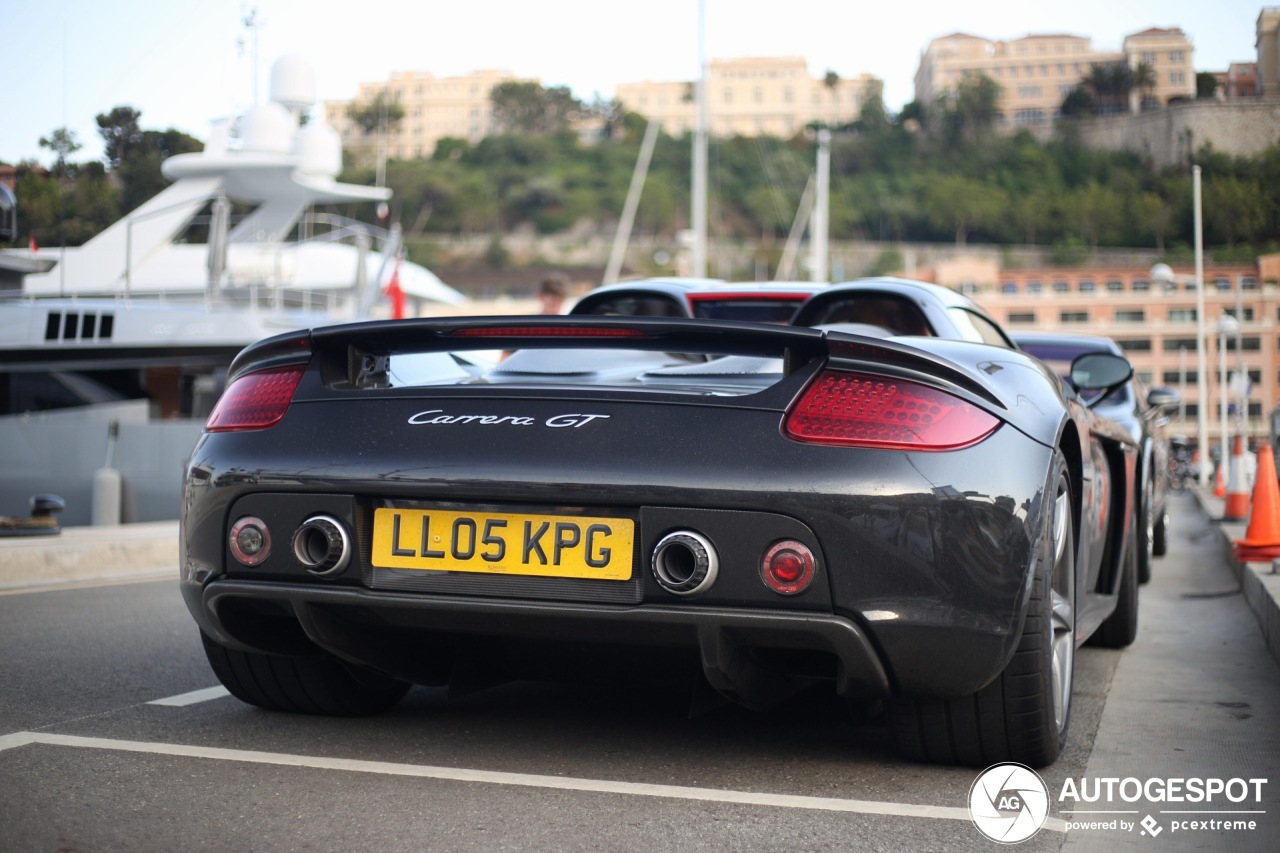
[[184, 64]]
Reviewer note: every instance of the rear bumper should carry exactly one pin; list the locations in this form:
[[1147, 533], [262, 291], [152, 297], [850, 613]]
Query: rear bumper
[[394, 631]]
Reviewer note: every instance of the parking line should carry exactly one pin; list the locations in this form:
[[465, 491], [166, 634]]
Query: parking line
[[492, 777], [182, 700]]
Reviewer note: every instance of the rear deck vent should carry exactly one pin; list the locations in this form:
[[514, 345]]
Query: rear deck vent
[[52, 323], [88, 325], [108, 322], [70, 326]]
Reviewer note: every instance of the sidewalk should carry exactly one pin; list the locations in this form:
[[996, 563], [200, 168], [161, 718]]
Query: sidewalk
[[81, 554], [1259, 582]]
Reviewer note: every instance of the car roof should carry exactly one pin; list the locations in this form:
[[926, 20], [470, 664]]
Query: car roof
[[1098, 343], [908, 286], [675, 286]]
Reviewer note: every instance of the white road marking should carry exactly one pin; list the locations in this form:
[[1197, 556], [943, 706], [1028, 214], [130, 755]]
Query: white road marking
[[492, 777], [182, 700]]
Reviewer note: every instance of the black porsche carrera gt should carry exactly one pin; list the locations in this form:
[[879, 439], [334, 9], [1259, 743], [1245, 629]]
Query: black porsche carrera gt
[[927, 522]]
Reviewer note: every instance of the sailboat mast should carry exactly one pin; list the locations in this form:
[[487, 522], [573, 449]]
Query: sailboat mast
[[699, 213], [821, 208]]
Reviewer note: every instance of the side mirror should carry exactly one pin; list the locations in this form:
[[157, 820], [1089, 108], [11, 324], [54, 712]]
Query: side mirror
[[1163, 398], [1100, 371]]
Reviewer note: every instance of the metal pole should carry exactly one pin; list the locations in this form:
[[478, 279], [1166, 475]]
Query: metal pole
[[1242, 413], [1223, 395], [699, 212], [1182, 382], [1202, 379], [620, 239], [818, 242]]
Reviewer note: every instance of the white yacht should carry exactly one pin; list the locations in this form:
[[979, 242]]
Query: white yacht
[[112, 353]]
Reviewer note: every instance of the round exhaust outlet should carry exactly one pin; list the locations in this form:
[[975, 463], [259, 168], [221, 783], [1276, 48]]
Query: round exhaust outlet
[[322, 545], [685, 563]]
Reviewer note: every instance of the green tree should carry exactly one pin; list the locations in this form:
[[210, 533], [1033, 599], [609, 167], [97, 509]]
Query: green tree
[[381, 111], [63, 143], [1097, 211], [1206, 84], [1153, 214], [527, 107], [962, 204], [1078, 103], [1234, 209], [1145, 80], [120, 131], [139, 170], [971, 110]]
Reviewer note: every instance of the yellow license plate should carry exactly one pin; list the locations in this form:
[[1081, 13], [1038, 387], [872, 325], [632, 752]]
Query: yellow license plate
[[558, 546]]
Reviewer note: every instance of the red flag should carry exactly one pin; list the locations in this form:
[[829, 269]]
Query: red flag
[[34, 247], [395, 294]]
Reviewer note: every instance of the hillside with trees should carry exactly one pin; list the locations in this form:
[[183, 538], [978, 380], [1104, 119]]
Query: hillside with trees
[[947, 177]]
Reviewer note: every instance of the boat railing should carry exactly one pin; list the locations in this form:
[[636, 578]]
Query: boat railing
[[313, 228]]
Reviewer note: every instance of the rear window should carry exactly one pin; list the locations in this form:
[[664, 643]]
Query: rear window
[[746, 310], [899, 316], [633, 306]]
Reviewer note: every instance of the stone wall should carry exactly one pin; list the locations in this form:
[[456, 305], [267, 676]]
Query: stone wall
[[1170, 136]]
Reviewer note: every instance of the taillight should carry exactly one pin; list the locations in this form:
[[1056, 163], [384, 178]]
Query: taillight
[[876, 411], [255, 400], [787, 567]]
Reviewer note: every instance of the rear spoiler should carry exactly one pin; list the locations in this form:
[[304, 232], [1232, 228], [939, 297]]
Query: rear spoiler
[[351, 350]]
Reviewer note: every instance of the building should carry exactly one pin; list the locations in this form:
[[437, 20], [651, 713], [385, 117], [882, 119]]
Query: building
[[1268, 45], [1238, 82], [1155, 322], [1168, 53], [434, 108], [754, 97], [1036, 72]]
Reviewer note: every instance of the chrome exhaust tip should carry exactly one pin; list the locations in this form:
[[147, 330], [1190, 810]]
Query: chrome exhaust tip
[[322, 545], [685, 563]]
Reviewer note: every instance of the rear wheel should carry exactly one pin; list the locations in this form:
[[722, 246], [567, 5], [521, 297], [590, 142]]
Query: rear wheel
[[1023, 714], [1160, 536], [1147, 532], [319, 684], [1121, 627]]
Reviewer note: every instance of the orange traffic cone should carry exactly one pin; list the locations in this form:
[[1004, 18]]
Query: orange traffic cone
[[1237, 505], [1219, 482], [1261, 540]]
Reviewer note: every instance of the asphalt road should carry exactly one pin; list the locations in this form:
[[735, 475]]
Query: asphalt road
[[88, 763]]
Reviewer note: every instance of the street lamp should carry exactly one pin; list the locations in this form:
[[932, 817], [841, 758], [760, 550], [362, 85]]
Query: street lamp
[[1163, 273], [1228, 326]]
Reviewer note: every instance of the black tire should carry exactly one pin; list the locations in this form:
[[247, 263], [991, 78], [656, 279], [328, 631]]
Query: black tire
[[1121, 627], [320, 684], [1146, 533], [1160, 536], [1024, 713]]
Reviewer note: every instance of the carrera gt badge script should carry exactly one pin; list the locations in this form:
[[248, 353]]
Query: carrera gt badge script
[[438, 416]]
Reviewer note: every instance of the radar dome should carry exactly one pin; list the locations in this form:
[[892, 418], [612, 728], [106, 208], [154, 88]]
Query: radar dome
[[319, 150], [267, 128], [293, 83]]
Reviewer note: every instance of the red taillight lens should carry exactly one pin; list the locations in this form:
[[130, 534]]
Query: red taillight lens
[[875, 411], [787, 567], [255, 401]]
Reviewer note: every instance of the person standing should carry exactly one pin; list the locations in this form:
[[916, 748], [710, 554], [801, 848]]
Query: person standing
[[552, 291]]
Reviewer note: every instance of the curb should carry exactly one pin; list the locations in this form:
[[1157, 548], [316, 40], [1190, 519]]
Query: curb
[[1259, 583], [89, 553]]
